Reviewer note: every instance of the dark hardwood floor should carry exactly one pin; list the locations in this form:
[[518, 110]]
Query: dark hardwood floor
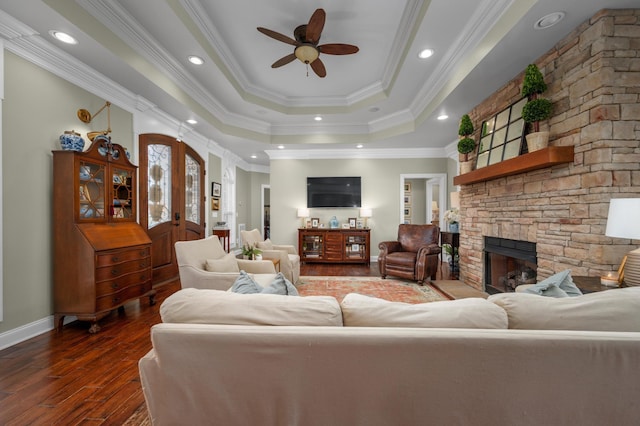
[[73, 377]]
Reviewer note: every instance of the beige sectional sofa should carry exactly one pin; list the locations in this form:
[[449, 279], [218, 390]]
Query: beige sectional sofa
[[222, 358]]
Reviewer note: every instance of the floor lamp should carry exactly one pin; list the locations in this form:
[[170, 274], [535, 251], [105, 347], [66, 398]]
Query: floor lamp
[[622, 222]]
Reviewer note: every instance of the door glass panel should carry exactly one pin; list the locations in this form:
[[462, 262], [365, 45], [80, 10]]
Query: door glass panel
[[159, 182], [122, 194], [192, 190], [91, 191]]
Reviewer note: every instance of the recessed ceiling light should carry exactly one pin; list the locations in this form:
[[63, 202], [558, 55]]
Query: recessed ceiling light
[[280, 146], [425, 53], [359, 145], [254, 156], [549, 20], [196, 60], [192, 121], [443, 117], [63, 37], [317, 118]]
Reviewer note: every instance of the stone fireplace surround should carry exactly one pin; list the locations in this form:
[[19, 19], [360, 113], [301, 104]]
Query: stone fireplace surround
[[593, 76]]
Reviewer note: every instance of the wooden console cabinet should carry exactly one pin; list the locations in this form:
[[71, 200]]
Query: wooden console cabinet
[[101, 255], [334, 245]]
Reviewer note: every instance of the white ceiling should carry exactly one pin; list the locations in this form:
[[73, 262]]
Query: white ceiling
[[383, 97]]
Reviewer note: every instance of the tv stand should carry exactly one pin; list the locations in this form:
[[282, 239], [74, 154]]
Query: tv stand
[[317, 245]]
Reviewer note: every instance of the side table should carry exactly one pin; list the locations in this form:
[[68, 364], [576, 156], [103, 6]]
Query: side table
[[223, 234], [590, 284], [453, 239]]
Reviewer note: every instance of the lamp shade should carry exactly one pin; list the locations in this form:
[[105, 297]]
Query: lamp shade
[[303, 212], [365, 212], [434, 205], [623, 221]]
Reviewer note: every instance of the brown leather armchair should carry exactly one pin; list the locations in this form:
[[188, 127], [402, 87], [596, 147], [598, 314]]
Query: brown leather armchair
[[414, 256]]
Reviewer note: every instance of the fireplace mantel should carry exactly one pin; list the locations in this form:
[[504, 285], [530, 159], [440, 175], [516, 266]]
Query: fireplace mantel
[[540, 159]]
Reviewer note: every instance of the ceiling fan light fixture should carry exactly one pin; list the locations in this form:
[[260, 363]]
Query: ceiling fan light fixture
[[306, 53]]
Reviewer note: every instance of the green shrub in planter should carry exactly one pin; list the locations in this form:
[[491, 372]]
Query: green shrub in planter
[[465, 146], [466, 126], [537, 109]]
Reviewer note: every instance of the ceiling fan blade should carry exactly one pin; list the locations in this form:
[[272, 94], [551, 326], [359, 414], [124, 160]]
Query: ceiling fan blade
[[318, 67], [315, 26], [338, 49], [280, 37], [284, 60]]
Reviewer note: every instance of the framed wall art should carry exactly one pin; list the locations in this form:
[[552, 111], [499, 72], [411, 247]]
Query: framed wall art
[[215, 189]]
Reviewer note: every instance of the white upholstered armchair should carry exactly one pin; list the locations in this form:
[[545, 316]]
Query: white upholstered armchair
[[289, 259], [204, 264]]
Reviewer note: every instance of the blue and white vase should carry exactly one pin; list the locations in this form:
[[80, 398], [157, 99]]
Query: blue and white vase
[[71, 141], [333, 223], [454, 227]]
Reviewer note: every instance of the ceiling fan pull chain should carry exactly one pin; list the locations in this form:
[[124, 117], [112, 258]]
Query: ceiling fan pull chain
[[307, 69]]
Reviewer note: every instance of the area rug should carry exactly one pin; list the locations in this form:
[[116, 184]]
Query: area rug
[[393, 289]]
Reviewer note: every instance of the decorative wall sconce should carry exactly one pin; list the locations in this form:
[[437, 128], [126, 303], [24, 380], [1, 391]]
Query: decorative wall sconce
[[86, 117]]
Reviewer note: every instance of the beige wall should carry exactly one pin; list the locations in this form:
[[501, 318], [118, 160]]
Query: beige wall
[[37, 108], [381, 192]]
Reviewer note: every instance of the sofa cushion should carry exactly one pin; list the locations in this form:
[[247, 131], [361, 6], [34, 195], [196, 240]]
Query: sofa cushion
[[610, 310], [366, 311], [227, 263], [194, 306], [557, 285]]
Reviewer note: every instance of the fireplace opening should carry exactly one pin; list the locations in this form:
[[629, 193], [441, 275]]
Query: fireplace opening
[[508, 264]]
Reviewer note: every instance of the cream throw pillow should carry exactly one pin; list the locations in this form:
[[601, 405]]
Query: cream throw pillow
[[227, 263], [265, 245], [366, 311], [194, 306], [610, 310]]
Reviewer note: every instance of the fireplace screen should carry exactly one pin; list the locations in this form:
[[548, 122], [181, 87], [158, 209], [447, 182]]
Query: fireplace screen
[[508, 264]]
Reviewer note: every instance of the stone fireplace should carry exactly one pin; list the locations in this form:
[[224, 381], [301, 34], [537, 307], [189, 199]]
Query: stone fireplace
[[508, 264], [593, 77]]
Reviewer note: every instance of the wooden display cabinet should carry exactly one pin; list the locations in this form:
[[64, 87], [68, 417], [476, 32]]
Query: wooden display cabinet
[[334, 245], [101, 255]]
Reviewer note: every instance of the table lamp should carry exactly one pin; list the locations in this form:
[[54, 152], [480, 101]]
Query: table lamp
[[304, 214], [365, 213], [622, 222]]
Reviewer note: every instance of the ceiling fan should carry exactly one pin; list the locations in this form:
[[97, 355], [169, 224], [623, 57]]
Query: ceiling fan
[[306, 44]]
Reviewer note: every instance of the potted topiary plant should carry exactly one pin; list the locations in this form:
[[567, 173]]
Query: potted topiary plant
[[466, 145], [537, 108]]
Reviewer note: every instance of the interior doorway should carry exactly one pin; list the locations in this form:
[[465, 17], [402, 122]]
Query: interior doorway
[[435, 190]]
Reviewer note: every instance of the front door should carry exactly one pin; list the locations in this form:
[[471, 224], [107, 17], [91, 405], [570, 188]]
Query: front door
[[172, 199]]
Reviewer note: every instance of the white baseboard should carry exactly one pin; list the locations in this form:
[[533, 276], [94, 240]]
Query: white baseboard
[[27, 331]]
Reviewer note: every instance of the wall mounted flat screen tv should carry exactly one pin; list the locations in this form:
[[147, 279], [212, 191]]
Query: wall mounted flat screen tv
[[333, 192]]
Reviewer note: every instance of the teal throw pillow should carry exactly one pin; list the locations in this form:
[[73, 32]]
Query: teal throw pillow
[[557, 285], [244, 284], [281, 285]]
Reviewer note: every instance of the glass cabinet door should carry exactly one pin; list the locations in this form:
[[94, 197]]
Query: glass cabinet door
[[122, 207], [91, 191]]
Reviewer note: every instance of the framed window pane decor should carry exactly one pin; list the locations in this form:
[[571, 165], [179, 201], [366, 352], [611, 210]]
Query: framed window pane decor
[[502, 136]]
